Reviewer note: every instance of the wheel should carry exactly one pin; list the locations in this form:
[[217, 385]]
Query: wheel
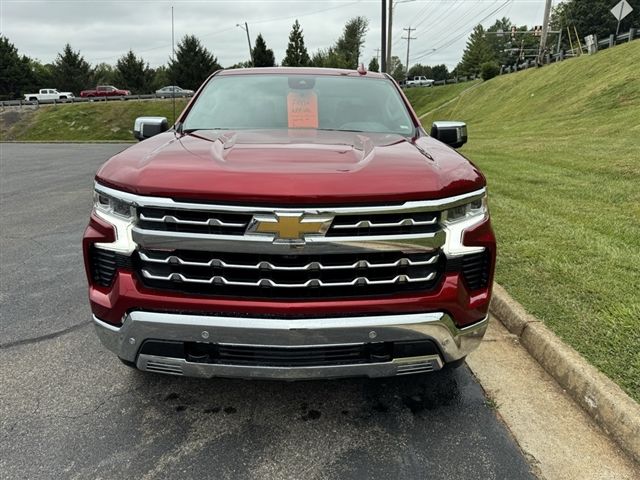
[[33, 99]]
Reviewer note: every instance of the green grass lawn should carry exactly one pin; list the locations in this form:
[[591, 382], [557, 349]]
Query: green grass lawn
[[94, 121], [560, 147], [425, 99]]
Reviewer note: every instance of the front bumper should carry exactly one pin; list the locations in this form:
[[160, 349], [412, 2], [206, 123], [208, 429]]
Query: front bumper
[[126, 340]]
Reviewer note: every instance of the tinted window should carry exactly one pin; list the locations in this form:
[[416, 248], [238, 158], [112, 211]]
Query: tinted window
[[296, 101]]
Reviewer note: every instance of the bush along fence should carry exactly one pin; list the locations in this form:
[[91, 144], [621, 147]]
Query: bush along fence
[[591, 46]]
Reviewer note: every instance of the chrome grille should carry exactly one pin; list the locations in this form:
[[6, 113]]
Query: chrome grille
[[193, 221], [306, 276], [384, 224]]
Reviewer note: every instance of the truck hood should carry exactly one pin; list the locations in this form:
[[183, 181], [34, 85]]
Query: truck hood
[[284, 167]]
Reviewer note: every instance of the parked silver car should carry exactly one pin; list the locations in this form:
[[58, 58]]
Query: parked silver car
[[173, 91]]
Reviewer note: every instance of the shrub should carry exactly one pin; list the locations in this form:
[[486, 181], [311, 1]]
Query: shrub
[[488, 70]]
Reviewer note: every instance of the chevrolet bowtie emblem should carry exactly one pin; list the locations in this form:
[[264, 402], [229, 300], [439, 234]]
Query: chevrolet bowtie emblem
[[289, 227]]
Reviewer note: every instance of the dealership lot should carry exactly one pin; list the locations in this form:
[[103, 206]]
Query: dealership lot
[[69, 409]]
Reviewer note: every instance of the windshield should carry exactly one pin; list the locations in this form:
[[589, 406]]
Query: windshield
[[323, 102]]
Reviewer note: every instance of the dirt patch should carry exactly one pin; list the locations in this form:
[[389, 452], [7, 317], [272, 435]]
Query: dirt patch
[[11, 116]]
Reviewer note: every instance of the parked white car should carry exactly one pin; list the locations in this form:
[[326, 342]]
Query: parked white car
[[48, 94], [420, 82]]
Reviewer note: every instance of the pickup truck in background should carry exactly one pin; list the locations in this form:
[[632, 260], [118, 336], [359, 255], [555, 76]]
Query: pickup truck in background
[[105, 91], [420, 82], [295, 223], [47, 94]]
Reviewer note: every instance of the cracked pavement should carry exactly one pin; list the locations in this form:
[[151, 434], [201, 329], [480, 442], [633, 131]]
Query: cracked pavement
[[69, 409]]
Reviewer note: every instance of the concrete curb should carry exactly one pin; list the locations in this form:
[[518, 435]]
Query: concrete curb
[[608, 405]]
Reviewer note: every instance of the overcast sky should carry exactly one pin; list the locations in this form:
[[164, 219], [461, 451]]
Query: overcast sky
[[104, 30]]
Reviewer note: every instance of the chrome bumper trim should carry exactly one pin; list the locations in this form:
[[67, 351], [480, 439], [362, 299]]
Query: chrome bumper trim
[[125, 341], [181, 367]]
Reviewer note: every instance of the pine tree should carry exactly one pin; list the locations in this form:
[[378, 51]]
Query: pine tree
[[262, 56], [297, 55], [374, 66], [192, 65], [133, 74], [349, 45], [15, 72], [477, 52], [71, 72]]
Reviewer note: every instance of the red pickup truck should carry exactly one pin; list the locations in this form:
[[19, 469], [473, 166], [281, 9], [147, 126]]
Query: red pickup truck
[[105, 91], [294, 223]]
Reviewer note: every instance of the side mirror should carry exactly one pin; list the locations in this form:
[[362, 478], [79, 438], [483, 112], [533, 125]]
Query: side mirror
[[453, 134], [146, 127]]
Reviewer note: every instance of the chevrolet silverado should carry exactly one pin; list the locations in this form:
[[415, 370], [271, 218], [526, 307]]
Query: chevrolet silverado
[[293, 223]]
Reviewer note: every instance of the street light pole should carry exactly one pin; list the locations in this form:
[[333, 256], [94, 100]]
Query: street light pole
[[246, 29]]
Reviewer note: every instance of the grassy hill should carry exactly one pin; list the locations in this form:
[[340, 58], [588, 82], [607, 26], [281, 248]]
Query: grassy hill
[[560, 147], [82, 121]]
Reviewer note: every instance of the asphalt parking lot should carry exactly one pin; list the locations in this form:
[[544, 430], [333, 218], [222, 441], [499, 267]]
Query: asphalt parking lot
[[69, 409]]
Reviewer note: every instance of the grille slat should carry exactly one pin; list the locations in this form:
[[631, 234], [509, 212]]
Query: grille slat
[[291, 276]]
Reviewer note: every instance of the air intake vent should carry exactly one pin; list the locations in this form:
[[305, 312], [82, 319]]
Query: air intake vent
[[475, 270], [105, 263]]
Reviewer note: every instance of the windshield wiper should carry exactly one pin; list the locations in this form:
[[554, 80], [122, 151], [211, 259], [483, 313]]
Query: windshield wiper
[[191, 130]]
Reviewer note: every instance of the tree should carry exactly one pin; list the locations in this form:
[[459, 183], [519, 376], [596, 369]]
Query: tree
[[488, 70], [15, 71], [591, 16], [192, 65], [440, 72], [374, 66], [419, 70], [329, 58], [349, 45], [103, 74], [245, 64], [262, 56], [500, 41], [159, 78], [297, 55], [132, 73], [476, 53], [71, 72], [397, 69], [41, 76]]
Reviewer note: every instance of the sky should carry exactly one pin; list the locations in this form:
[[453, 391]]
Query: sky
[[104, 30]]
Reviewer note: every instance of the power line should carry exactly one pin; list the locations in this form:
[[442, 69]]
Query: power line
[[464, 33], [463, 22]]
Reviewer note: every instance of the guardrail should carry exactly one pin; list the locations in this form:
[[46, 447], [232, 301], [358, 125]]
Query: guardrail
[[20, 103]]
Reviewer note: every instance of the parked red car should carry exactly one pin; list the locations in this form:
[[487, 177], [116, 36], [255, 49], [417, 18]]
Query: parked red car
[[294, 223], [105, 91]]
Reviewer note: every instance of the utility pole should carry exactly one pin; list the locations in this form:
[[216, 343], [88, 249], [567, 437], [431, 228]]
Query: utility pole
[[173, 59], [408, 38], [383, 36], [246, 29], [545, 32], [389, 34]]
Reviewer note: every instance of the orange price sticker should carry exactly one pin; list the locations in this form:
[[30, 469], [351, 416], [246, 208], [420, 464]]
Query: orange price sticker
[[302, 109]]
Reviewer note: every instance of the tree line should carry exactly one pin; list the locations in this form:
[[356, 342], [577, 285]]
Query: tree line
[[192, 64]]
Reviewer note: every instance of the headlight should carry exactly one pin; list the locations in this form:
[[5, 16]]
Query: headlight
[[475, 209], [118, 213], [112, 206]]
